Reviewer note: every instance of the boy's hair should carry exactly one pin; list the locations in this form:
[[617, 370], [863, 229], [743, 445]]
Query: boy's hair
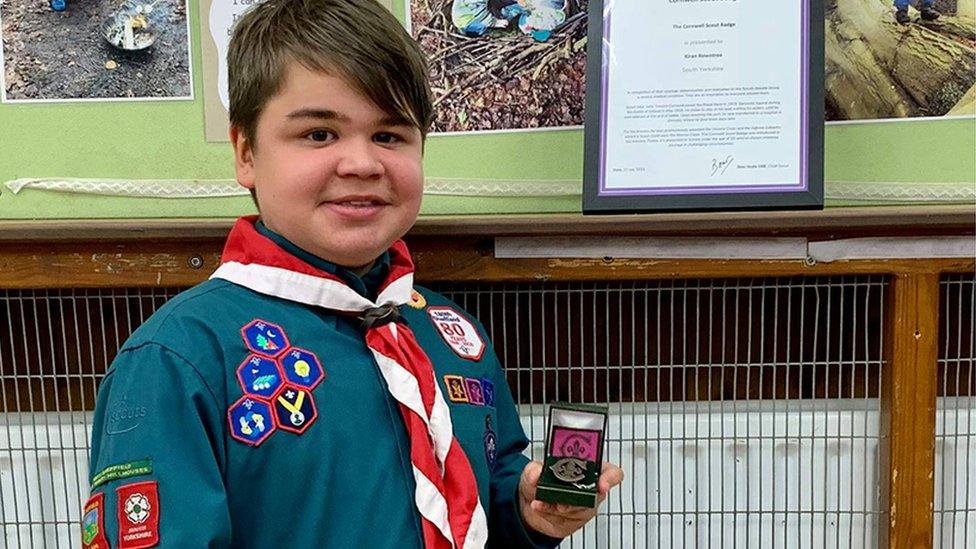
[[357, 40]]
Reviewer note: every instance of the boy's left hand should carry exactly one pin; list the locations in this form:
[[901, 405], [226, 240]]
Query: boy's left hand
[[560, 520]]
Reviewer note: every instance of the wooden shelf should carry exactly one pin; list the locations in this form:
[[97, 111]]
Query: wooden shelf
[[831, 222]]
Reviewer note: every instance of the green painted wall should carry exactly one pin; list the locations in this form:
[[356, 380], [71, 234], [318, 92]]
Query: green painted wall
[[164, 140]]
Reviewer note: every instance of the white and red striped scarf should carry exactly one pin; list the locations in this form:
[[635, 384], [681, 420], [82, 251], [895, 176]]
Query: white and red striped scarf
[[447, 491]]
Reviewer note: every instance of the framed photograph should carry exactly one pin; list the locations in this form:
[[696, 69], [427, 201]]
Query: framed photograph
[[74, 51], [703, 105]]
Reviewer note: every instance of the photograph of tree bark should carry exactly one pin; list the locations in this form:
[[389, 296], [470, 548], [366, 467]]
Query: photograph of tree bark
[[886, 59], [503, 64]]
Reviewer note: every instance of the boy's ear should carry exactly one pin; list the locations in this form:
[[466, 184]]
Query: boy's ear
[[243, 157]]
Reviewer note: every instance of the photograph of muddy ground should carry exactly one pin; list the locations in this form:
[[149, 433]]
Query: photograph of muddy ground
[[50, 55], [504, 79], [878, 68]]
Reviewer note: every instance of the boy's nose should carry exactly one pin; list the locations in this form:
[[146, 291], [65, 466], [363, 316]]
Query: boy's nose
[[359, 160]]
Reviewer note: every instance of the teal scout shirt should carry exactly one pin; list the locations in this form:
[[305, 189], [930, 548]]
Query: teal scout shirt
[[172, 410]]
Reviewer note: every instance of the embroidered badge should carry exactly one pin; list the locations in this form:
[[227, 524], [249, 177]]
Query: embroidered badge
[[456, 390], [138, 513], [93, 523], [124, 416], [295, 409], [259, 376], [458, 332], [491, 444], [121, 471], [417, 301], [474, 391], [264, 338], [575, 443], [302, 368], [250, 420], [488, 391]]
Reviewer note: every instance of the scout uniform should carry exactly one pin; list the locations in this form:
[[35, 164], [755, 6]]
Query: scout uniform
[[236, 417]]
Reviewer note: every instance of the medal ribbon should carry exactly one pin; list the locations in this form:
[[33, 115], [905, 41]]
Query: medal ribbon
[[446, 495]]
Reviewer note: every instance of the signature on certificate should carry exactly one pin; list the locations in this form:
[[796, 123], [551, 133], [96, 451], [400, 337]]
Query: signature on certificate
[[719, 166]]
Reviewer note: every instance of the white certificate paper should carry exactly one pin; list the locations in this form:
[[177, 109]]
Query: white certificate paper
[[703, 96]]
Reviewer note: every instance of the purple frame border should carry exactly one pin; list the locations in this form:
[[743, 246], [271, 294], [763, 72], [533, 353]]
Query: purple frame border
[[804, 153]]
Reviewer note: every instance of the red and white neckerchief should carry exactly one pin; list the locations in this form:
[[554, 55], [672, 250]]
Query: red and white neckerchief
[[447, 491]]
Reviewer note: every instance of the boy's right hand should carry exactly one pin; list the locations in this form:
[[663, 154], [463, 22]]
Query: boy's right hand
[[560, 520]]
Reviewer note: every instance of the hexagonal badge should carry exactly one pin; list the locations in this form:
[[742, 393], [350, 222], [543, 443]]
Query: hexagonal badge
[[260, 376], [302, 368], [294, 408], [251, 420], [264, 338]]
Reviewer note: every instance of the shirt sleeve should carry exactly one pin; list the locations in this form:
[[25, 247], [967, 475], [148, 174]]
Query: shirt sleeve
[[505, 526], [157, 456]]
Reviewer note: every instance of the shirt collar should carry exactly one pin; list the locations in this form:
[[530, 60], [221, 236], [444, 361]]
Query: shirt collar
[[366, 285]]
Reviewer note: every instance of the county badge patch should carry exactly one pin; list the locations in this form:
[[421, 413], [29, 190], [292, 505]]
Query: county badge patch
[[458, 332], [138, 515], [93, 523]]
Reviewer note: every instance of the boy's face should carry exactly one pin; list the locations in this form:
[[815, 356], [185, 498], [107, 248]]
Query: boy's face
[[333, 173]]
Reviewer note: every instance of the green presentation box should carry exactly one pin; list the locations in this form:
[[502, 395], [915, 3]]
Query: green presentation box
[[574, 454]]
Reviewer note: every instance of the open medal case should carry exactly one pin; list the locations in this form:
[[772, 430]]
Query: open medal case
[[574, 454]]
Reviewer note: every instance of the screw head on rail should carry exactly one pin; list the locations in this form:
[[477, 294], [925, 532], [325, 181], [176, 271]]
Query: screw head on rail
[[196, 262]]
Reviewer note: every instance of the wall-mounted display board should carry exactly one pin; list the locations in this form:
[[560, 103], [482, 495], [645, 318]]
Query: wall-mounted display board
[[477, 165], [681, 116]]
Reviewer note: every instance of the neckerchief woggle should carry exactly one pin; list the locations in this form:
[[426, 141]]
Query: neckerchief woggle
[[447, 492]]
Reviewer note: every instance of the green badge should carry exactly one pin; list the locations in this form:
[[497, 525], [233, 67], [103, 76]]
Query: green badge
[[122, 470]]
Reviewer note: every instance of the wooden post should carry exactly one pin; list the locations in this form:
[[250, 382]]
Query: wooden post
[[908, 401]]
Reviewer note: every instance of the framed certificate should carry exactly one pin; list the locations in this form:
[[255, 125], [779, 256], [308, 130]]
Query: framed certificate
[[703, 105]]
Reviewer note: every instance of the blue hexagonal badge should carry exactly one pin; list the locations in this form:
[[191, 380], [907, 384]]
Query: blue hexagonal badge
[[302, 368], [250, 420], [264, 338], [295, 409], [259, 376]]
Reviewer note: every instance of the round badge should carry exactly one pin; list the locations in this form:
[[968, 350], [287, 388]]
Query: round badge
[[417, 301]]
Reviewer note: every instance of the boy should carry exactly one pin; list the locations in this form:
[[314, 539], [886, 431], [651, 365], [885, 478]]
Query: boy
[[307, 395]]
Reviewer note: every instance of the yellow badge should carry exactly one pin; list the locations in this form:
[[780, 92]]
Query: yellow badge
[[417, 301], [456, 390]]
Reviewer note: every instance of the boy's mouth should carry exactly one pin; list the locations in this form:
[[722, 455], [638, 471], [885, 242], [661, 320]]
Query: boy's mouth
[[357, 206], [358, 201]]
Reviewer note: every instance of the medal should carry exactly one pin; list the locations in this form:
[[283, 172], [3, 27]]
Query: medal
[[569, 469]]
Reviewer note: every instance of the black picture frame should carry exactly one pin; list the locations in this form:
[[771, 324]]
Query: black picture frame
[[807, 195]]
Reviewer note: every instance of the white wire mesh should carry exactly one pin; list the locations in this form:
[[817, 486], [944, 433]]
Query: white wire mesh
[[955, 428], [54, 348], [744, 412]]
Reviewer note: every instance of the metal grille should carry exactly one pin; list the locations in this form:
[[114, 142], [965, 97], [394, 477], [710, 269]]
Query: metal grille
[[54, 348], [955, 427], [745, 412]]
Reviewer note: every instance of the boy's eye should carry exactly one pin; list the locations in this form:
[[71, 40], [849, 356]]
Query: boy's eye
[[320, 136], [386, 138]]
